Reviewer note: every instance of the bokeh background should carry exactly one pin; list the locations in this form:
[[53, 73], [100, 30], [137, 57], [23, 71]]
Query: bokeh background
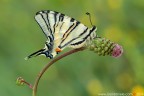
[[81, 74]]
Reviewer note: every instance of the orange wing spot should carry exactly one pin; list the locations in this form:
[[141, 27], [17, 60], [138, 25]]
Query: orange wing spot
[[58, 50]]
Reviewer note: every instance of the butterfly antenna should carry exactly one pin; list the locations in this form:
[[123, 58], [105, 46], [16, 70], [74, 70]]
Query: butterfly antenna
[[87, 13]]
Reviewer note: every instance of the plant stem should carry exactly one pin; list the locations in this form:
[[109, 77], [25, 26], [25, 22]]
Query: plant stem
[[49, 64]]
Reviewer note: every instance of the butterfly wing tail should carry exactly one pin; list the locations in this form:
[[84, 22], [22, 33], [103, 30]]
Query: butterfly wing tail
[[39, 52]]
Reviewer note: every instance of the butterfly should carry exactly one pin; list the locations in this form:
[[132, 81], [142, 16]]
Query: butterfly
[[61, 31]]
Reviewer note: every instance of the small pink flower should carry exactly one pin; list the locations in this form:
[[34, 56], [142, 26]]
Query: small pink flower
[[117, 51]]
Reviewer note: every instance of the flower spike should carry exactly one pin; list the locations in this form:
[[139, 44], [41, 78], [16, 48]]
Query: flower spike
[[103, 47]]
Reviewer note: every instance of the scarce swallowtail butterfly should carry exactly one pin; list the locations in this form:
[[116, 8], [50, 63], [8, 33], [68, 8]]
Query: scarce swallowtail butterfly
[[61, 31]]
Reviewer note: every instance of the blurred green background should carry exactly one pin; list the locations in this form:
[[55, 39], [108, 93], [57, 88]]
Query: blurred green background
[[81, 74]]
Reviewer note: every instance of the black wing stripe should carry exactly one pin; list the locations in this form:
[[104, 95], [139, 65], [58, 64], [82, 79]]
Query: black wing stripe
[[94, 27], [55, 20], [42, 29], [49, 26], [58, 20], [42, 13], [67, 33], [61, 17], [85, 38], [77, 43], [72, 20], [49, 23], [51, 38], [44, 16], [61, 26], [75, 38], [40, 24]]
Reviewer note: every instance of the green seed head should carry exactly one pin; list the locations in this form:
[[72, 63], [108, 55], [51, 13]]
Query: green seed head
[[103, 47]]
